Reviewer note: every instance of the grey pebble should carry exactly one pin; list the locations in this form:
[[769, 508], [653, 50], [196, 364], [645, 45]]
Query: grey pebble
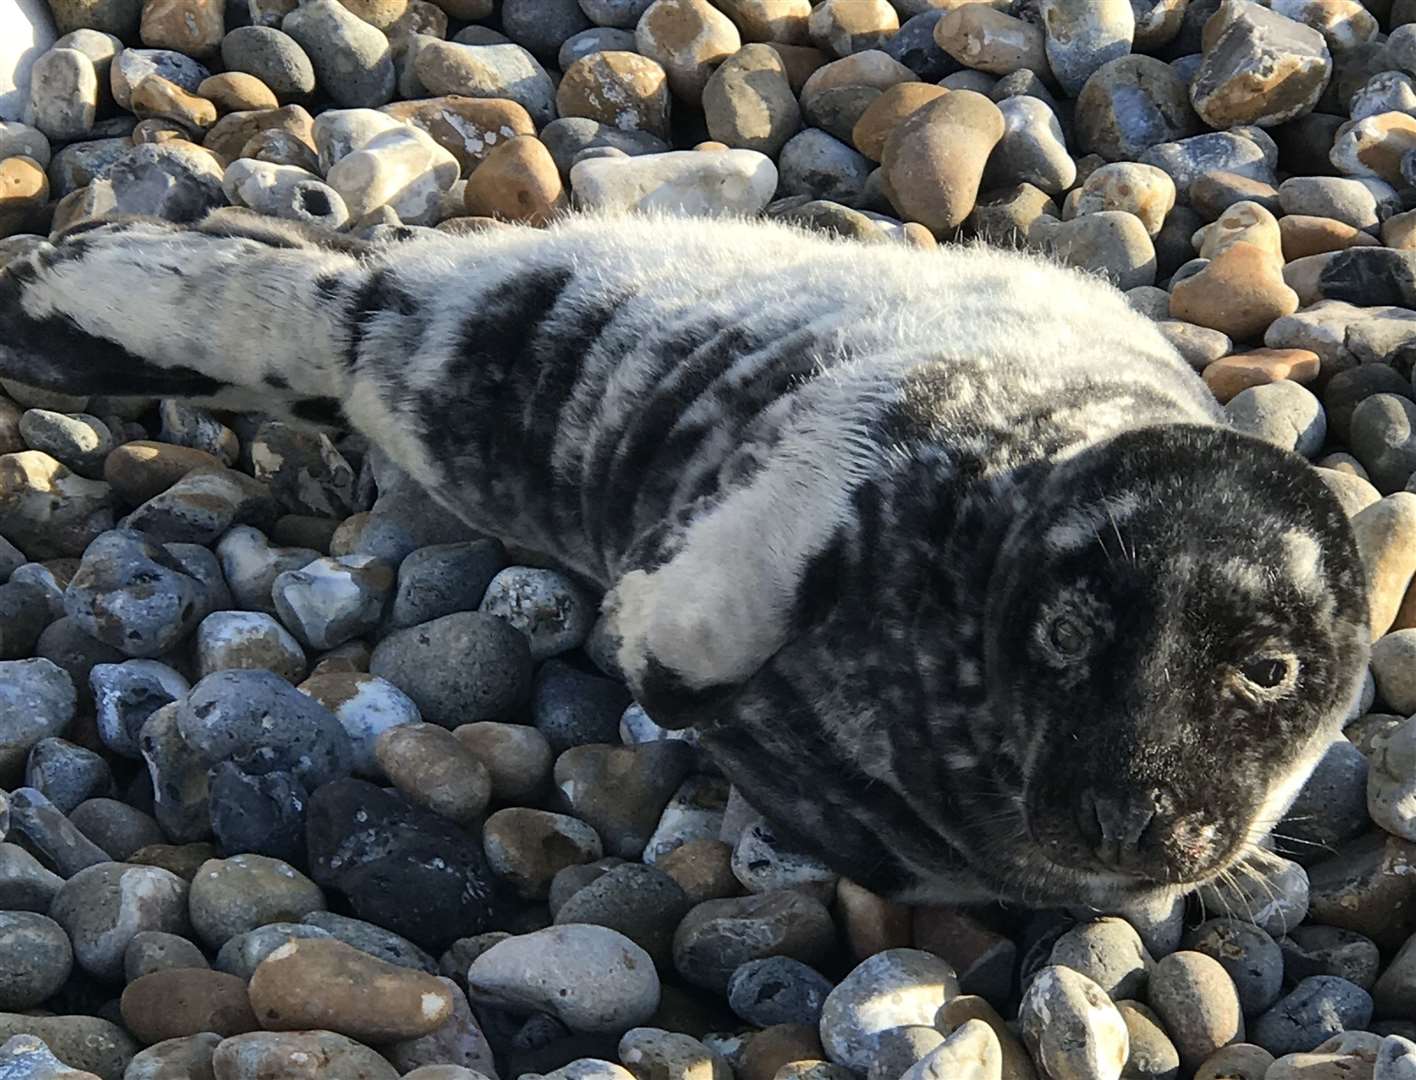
[[1383, 440], [251, 564], [78, 440], [1313, 949], [640, 902], [1250, 956], [488, 71], [623, 14], [542, 25], [572, 707], [172, 180], [333, 600], [569, 136], [179, 777], [1110, 953], [242, 953], [1071, 1028], [778, 990], [158, 950], [66, 773], [896, 1050], [35, 960], [1353, 202], [126, 694], [1198, 1004], [718, 936], [64, 95], [25, 884], [443, 579], [596, 39], [818, 165], [552, 611], [103, 907], [132, 66], [116, 827], [352, 60], [1330, 810], [374, 940], [1151, 1055], [1282, 413], [272, 56], [1318, 1008], [133, 595], [235, 895], [25, 610], [51, 834]]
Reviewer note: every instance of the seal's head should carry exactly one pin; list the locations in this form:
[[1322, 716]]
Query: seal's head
[[1176, 627]]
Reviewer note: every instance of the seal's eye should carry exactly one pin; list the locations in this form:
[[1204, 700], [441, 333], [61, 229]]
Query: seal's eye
[[1266, 672], [1068, 636]]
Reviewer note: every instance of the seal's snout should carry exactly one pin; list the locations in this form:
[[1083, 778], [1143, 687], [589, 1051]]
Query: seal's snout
[[1120, 828]]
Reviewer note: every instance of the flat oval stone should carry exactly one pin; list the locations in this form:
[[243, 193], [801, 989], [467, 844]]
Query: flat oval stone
[[887, 990], [181, 1002]]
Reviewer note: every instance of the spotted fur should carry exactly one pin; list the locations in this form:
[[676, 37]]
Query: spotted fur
[[947, 553]]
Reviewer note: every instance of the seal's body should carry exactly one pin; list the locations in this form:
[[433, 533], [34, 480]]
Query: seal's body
[[948, 554]]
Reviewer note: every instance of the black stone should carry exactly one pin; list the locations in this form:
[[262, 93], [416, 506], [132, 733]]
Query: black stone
[[262, 814], [571, 707]]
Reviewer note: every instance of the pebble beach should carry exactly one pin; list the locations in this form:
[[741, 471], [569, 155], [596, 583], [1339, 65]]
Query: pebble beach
[[302, 778]]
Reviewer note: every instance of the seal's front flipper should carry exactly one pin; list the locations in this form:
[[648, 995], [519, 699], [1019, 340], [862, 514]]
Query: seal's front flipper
[[225, 314]]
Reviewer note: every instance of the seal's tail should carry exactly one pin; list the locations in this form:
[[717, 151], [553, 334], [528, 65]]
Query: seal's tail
[[236, 312]]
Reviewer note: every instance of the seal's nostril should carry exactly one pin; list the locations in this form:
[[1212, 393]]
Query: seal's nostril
[[1116, 824]]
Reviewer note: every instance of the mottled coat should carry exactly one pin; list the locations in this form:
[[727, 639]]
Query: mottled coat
[[842, 497]]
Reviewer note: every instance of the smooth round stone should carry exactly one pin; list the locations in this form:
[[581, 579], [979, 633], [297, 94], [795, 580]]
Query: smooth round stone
[[1198, 1004], [934, 161], [251, 564], [102, 907], [748, 101], [493, 672], [1382, 441], [649, 1051], [236, 895], [181, 1002], [570, 136], [49, 833], [1391, 789], [844, 27], [403, 169], [1343, 199], [734, 182], [1320, 1007], [1230, 375], [1071, 1027], [1142, 190], [139, 470], [571, 707], [640, 902], [1384, 532], [48, 511], [366, 706], [1151, 1052], [1109, 952], [590, 978], [619, 88], [261, 722], [891, 108], [67, 774], [987, 40], [890, 989], [228, 640], [272, 56], [622, 791], [1032, 150], [837, 95], [1393, 657], [517, 757], [1396, 1059], [243, 953], [155, 950], [298, 1055], [1238, 1061], [1394, 994], [552, 611], [1246, 152], [351, 59], [820, 166], [35, 959], [116, 827], [689, 38], [593, 40], [64, 95], [1130, 104], [435, 769], [185, 1057], [333, 600], [1252, 959], [1080, 36], [322, 983], [397, 865], [778, 990], [459, 1047], [518, 181], [1282, 413], [1269, 891], [527, 847], [25, 885], [236, 91], [1331, 809], [1328, 950], [126, 694], [443, 579], [487, 71], [1112, 242], [23, 140], [91, 1046], [37, 701]]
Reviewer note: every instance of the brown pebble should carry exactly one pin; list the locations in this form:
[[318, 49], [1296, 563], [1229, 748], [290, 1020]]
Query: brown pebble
[[527, 847], [621, 89], [194, 27], [322, 983], [1229, 375], [1305, 235], [184, 860], [162, 99], [1239, 293], [1196, 1000], [844, 27], [984, 39], [802, 62], [234, 130], [518, 181], [897, 104], [934, 160], [517, 756], [748, 101], [1386, 541], [1375, 146], [781, 21], [703, 870], [1237, 1061], [23, 183], [236, 91], [1399, 231], [184, 1001], [779, 1045], [298, 1055], [433, 768], [159, 131], [870, 922], [467, 128], [282, 148], [141, 469], [1214, 192], [689, 38]]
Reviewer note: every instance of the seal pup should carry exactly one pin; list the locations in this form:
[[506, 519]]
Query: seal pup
[[947, 554]]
